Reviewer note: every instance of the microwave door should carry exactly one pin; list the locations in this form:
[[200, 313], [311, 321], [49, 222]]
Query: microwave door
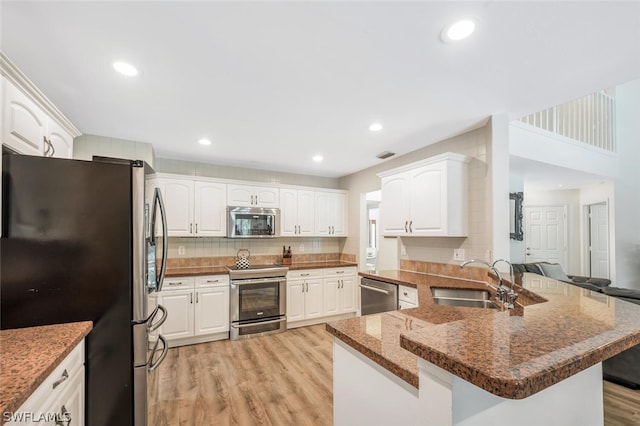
[[155, 280]]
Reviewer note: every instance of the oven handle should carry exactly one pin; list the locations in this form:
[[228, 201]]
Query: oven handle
[[258, 323], [379, 290], [257, 281]]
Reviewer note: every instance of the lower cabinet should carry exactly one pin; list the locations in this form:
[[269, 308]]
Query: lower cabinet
[[407, 297], [314, 295], [197, 309], [60, 397]]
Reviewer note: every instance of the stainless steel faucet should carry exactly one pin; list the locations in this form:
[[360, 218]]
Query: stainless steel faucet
[[506, 297], [511, 295]]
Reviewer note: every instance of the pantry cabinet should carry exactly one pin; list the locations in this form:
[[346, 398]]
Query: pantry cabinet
[[195, 208], [331, 213], [197, 309], [297, 213], [31, 124], [252, 196], [426, 199]]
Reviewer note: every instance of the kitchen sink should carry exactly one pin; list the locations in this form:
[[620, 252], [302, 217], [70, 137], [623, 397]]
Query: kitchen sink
[[468, 298]]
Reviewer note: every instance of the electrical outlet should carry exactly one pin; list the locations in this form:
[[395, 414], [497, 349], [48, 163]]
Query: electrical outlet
[[458, 254], [301, 248], [181, 250], [403, 250]]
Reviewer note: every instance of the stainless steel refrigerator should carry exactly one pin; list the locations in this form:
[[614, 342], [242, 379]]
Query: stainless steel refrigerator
[[79, 243]]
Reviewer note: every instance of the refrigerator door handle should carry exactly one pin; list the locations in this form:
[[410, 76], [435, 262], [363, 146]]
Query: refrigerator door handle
[[165, 348], [157, 201], [153, 326]]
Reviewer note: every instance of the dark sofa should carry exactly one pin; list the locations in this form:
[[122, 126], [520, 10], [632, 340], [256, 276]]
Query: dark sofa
[[623, 368]]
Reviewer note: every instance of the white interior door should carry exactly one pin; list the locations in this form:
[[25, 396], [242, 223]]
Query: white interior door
[[544, 235], [599, 240]]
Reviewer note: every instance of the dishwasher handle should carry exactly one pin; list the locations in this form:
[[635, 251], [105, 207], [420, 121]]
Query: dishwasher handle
[[379, 290]]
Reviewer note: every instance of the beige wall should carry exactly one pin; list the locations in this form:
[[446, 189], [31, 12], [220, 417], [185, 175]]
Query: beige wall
[[86, 146], [474, 144]]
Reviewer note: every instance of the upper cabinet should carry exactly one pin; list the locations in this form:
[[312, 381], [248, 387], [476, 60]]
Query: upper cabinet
[[195, 208], [297, 213], [427, 198], [252, 196], [31, 124], [331, 213]]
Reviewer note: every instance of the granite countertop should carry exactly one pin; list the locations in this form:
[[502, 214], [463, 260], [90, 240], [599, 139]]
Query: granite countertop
[[559, 332], [29, 355], [188, 271]]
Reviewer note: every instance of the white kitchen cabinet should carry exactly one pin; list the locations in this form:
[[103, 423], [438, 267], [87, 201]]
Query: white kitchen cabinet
[[31, 124], [304, 295], [252, 196], [24, 122], [61, 394], [331, 213], [195, 208], [197, 309], [340, 288], [407, 297], [426, 198], [297, 213]]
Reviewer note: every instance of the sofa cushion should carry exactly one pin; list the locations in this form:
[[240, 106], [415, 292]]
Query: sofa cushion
[[600, 282], [553, 270], [625, 293]]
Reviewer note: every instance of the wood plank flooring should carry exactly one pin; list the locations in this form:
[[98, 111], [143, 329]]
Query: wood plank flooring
[[283, 379]]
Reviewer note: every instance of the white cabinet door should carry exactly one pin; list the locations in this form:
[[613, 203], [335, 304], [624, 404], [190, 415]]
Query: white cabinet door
[[338, 210], [428, 200], [61, 141], [179, 304], [306, 213], [70, 405], [211, 310], [288, 212], [252, 196], [210, 209], [313, 298], [178, 195], [295, 300], [348, 295], [331, 296], [395, 204], [23, 122]]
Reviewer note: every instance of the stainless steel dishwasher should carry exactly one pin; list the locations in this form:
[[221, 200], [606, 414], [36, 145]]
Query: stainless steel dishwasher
[[377, 296]]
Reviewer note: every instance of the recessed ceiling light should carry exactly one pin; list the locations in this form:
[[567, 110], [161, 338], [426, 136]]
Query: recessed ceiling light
[[125, 69], [318, 158], [459, 30], [204, 142], [375, 127]]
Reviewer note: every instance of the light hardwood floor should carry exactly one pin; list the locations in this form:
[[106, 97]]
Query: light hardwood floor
[[283, 379]]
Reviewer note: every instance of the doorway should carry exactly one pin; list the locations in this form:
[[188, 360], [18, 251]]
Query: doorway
[[373, 231], [597, 239], [545, 234]]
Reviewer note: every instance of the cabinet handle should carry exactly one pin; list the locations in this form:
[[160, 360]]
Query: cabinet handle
[[410, 225], [304, 275], [406, 223], [64, 416], [197, 298], [196, 228], [53, 148], [256, 200], [213, 281], [191, 298], [339, 272], [46, 146], [303, 287], [170, 283], [63, 377], [307, 287], [191, 228]]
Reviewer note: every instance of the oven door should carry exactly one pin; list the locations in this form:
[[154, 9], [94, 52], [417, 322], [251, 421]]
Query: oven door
[[257, 298]]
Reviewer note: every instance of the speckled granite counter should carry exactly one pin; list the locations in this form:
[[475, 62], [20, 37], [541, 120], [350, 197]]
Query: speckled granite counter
[[562, 331], [29, 355], [218, 270]]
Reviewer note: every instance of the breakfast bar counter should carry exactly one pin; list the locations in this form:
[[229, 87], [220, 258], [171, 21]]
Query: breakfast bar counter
[[558, 331]]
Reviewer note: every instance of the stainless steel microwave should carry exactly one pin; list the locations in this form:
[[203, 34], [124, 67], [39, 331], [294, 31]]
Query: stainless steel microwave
[[253, 222]]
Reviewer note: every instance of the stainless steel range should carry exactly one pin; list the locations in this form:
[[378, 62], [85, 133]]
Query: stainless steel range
[[258, 301]]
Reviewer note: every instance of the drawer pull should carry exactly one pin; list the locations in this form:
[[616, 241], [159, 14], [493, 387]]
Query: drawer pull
[[304, 275], [65, 376], [212, 281], [406, 294], [339, 272], [175, 283]]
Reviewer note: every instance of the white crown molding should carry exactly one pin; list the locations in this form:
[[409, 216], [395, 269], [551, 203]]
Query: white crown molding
[[448, 156], [20, 80]]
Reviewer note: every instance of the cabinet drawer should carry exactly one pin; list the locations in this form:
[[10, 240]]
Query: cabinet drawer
[[408, 294], [178, 283], [339, 272], [304, 273], [405, 305], [212, 281]]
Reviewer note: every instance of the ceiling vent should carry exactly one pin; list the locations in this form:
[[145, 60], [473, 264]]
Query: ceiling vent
[[385, 154]]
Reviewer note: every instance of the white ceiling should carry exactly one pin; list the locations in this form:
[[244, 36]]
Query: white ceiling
[[274, 83], [547, 177]]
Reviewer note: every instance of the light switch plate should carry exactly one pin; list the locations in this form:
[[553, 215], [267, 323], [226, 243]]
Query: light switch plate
[[458, 254], [181, 250]]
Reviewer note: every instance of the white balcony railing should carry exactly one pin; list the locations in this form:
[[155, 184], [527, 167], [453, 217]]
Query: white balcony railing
[[590, 119]]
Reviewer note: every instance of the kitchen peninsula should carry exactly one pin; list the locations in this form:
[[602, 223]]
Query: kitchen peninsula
[[461, 366]]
